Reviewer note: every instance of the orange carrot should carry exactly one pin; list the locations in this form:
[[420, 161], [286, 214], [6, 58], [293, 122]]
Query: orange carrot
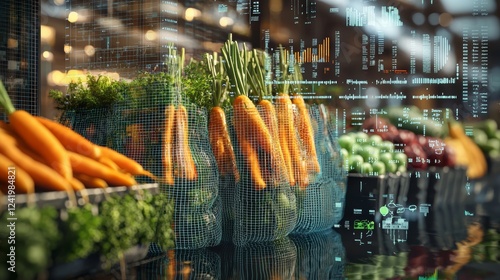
[[288, 138], [125, 163], [42, 141], [269, 117], [93, 168], [91, 182], [253, 165], [43, 176], [306, 133], [183, 161], [76, 184], [109, 163], [221, 143], [70, 139], [167, 144], [250, 124], [13, 175]]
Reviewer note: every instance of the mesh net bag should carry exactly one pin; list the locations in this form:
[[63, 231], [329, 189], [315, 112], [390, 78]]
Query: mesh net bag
[[264, 203], [320, 255], [266, 260], [198, 208], [320, 204], [100, 125]]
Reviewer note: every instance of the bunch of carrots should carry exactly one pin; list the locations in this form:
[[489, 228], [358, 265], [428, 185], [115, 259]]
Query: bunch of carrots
[[48, 156], [177, 159], [274, 138]]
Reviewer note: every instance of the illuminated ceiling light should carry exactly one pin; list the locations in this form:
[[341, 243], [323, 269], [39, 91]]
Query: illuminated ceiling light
[[48, 56], [58, 2], [151, 35], [89, 50], [67, 48], [226, 21], [47, 34], [56, 78], [191, 13], [72, 17], [445, 19]]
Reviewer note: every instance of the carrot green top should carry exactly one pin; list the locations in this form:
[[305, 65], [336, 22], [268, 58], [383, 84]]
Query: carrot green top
[[219, 77], [236, 65], [259, 74], [5, 101]]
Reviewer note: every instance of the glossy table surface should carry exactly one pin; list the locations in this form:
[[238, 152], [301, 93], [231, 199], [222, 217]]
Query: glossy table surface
[[453, 242]]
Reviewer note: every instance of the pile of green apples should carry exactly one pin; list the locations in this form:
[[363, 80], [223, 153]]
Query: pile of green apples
[[370, 154]]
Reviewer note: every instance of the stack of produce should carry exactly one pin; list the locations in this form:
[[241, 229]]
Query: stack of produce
[[370, 154], [49, 156], [487, 136], [102, 234]]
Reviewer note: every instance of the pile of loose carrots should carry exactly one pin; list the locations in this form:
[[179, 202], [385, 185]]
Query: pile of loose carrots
[[48, 156]]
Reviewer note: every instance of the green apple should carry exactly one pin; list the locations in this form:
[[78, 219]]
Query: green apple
[[344, 153], [346, 142], [386, 147], [375, 140], [355, 162], [361, 137], [479, 136], [400, 159], [366, 168], [369, 153], [378, 168], [356, 149], [386, 158], [402, 168], [391, 167]]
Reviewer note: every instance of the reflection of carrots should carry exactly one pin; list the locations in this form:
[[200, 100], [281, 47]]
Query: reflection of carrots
[[306, 133], [71, 140], [23, 181], [296, 166], [183, 160], [167, 145], [221, 143]]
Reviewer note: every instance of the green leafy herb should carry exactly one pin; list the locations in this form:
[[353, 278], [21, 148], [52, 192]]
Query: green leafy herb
[[97, 92], [36, 235], [80, 231]]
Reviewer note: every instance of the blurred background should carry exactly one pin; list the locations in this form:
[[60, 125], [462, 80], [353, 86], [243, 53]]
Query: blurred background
[[356, 56]]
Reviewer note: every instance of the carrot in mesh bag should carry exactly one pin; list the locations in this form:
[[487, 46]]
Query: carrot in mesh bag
[[217, 127], [184, 165], [252, 133], [304, 125], [289, 141], [257, 74]]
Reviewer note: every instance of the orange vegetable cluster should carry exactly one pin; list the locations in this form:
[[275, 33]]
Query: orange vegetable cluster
[[48, 156]]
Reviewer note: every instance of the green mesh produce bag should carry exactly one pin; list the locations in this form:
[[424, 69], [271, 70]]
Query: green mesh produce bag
[[320, 204], [101, 126], [264, 203], [266, 260], [320, 255]]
